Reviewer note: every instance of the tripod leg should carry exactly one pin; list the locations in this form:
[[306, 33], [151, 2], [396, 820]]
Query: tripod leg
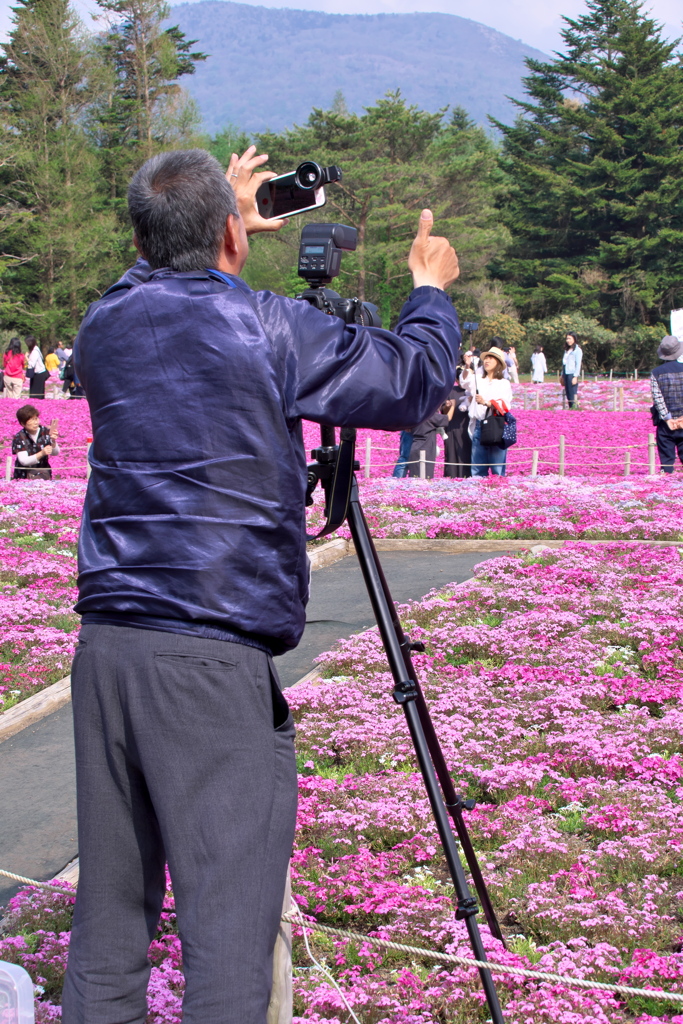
[[453, 801], [406, 694]]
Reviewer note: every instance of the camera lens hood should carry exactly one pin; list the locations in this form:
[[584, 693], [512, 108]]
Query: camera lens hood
[[309, 175]]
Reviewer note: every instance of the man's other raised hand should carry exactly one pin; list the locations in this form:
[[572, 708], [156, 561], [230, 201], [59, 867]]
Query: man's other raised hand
[[432, 260], [241, 175]]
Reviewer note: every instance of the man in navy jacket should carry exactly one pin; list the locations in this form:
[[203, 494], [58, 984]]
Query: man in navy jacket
[[193, 574]]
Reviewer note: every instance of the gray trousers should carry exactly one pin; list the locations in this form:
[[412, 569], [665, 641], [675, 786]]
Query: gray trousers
[[185, 755]]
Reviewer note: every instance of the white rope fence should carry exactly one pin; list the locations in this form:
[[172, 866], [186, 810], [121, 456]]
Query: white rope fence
[[294, 916]]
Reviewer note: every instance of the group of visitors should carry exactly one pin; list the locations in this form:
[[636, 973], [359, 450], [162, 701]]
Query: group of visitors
[[482, 391], [53, 372]]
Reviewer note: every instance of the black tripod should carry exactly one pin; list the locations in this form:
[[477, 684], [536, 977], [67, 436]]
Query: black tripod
[[334, 468]]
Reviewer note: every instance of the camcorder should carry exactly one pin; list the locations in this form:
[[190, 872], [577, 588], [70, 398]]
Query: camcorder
[[297, 192], [322, 245]]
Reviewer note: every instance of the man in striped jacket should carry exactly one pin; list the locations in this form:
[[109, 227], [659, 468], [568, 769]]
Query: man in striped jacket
[[666, 382]]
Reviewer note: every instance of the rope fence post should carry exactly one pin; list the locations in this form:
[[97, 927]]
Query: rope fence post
[[538, 401], [635, 373], [525, 398], [651, 443], [368, 458], [8, 468], [627, 464], [281, 1008], [564, 401], [561, 467], [621, 399], [534, 462], [615, 399], [423, 465], [610, 374]]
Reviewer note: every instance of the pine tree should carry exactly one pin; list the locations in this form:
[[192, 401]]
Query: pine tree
[[595, 162], [56, 238], [144, 109]]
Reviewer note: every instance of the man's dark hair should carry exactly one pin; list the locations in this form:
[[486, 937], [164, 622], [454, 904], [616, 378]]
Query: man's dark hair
[[179, 203], [499, 342], [25, 413]]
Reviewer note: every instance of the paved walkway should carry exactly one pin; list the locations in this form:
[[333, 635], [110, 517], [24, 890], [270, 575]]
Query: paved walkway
[[37, 785]]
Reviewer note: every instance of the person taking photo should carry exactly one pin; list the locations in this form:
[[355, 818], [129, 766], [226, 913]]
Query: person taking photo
[[193, 575]]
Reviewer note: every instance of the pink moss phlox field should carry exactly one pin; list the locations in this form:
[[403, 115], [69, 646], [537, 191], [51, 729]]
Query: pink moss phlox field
[[38, 531], [555, 684], [521, 508], [595, 444]]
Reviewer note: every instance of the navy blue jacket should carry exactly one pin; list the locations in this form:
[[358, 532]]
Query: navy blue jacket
[[194, 514]]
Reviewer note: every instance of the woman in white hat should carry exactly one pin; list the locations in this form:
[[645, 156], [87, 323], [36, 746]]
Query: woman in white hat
[[493, 393]]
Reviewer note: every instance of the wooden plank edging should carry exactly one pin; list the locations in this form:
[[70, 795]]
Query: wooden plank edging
[[31, 710]]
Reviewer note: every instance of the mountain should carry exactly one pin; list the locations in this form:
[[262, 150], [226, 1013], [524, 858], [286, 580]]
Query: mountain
[[269, 66]]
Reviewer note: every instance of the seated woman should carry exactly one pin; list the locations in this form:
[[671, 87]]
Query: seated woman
[[489, 390], [33, 446]]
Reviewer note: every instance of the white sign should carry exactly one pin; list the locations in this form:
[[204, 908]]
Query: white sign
[[677, 323]]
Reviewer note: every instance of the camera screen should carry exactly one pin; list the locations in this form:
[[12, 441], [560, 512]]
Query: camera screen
[[285, 197], [314, 250]]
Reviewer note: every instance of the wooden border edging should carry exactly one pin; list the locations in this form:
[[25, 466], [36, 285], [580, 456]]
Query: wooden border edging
[[31, 710]]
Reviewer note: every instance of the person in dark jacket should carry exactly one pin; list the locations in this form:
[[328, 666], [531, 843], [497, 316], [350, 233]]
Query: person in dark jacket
[[666, 383], [193, 573], [458, 443], [424, 440]]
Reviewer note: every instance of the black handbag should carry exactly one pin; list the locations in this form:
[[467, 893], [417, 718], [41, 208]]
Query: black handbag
[[492, 429]]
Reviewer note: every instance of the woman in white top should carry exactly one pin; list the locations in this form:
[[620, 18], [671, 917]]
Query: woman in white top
[[37, 378], [539, 367], [571, 367], [491, 388]]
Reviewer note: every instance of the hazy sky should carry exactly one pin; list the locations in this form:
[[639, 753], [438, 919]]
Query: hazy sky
[[535, 22]]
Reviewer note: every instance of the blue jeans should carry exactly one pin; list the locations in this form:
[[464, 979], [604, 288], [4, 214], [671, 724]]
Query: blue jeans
[[487, 457], [570, 389], [401, 467]]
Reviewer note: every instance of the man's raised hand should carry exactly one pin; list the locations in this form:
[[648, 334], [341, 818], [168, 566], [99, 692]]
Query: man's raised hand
[[241, 175], [432, 261]]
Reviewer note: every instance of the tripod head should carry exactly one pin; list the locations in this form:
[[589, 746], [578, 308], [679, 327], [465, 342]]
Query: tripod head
[[333, 469]]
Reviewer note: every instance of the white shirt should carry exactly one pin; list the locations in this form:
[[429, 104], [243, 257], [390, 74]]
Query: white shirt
[[35, 360], [498, 390]]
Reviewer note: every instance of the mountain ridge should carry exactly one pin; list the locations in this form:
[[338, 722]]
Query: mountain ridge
[[268, 67]]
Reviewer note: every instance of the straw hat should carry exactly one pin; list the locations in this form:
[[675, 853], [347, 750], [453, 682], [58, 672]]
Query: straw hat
[[497, 353]]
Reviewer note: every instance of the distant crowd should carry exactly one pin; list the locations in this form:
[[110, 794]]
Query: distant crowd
[[51, 375]]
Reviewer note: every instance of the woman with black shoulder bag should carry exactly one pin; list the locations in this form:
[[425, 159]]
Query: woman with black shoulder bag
[[35, 369], [492, 399]]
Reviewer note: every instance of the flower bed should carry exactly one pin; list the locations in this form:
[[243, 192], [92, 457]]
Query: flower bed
[[38, 532], [555, 685], [39, 526], [596, 441], [521, 508], [596, 444]]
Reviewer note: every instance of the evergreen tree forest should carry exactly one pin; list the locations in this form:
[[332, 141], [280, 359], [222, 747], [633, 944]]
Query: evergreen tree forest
[[569, 219]]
